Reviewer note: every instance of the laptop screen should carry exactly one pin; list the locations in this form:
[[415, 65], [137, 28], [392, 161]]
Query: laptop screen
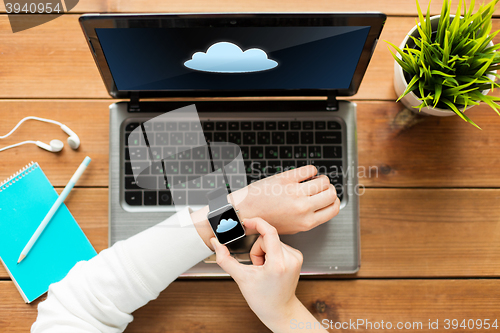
[[232, 58]]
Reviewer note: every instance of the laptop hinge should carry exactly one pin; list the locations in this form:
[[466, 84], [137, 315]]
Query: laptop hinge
[[331, 101], [133, 105]]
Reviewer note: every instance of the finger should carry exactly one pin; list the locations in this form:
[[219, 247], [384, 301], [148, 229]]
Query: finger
[[229, 264], [257, 253], [327, 213], [323, 199], [271, 243], [293, 251], [316, 185], [301, 174]]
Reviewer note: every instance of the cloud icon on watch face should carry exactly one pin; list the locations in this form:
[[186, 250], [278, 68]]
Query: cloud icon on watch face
[[226, 57], [226, 225]]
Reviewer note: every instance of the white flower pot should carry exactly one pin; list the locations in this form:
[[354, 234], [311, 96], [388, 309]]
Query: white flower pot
[[400, 84]]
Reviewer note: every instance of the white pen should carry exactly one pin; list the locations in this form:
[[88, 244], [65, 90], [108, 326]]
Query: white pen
[[54, 208]]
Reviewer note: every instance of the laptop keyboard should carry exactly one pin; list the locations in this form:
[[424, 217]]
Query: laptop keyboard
[[268, 147]]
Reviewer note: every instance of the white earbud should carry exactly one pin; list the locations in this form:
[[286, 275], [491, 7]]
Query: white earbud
[[55, 145], [73, 140]]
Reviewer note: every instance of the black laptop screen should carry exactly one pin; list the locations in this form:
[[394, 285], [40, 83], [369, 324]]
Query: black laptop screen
[[236, 58]]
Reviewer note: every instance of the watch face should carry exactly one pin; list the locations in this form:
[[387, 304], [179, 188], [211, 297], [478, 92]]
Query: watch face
[[226, 224]]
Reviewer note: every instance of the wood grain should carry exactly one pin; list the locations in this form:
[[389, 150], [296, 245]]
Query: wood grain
[[390, 7], [217, 306], [404, 233], [53, 61], [397, 148]]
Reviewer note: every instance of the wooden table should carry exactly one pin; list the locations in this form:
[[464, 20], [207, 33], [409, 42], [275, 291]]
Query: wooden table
[[430, 218]]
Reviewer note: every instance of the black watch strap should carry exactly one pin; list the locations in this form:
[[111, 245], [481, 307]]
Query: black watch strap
[[217, 198]]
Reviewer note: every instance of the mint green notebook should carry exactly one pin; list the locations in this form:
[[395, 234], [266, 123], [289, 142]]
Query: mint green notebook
[[25, 199]]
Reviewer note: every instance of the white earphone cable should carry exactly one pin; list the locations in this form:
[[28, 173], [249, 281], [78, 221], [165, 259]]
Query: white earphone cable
[[17, 144], [22, 121]]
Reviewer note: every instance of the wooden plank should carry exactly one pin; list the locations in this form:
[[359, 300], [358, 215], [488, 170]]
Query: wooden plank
[[88, 119], [390, 7], [83, 6], [407, 149], [396, 148], [53, 60], [217, 306], [90, 209], [404, 233]]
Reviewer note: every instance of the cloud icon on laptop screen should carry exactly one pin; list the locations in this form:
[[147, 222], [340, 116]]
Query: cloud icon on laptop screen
[[226, 57], [226, 225]]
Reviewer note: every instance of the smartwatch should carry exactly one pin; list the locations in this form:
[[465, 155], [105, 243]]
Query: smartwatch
[[223, 218]]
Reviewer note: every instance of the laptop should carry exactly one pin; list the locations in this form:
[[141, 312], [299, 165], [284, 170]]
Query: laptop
[[232, 68]]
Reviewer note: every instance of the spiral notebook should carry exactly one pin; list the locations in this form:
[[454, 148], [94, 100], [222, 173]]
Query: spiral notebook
[[25, 199]]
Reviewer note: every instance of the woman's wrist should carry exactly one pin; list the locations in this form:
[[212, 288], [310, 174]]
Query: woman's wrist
[[294, 312]]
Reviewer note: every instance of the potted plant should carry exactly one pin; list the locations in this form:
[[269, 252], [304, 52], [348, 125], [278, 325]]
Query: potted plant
[[447, 63]]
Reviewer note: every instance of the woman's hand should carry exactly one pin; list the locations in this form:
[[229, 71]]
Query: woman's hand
[[288, 203], [269, 284]]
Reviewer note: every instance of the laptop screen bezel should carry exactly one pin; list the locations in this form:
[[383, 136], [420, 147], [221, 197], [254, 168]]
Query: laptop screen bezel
[[90, 22]]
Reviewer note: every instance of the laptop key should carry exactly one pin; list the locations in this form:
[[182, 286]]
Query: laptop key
[[133, 198], [131, 126], [187, 168], [263, 138], [234, 137], [220, 126], [328, 137], [149, 198], [208, 136], [178, 197], [258, 125], [169, 153], [200, 153], [283, 125], [244, 152], [171, 168], [256, 152], [307, 125], [292, 138], [164, 198], [227, 152], [159, 127], [233, 126], [195, 126], [288, 165], [176, 138], [320, 125], [161, 139], [295, 125], [246, 126], [306, 138], [270, 125], [332, 151], [133, 139], [183, 126], [278, 138], [202, 168], [220, 137], [314, 151], [333, 125], [171, 126], [286, 152], [148, 126], [274, 167], [271, 152], [208, 126], [137, 154], [193, 182], [301, 163], [300, 152], [248, 138], [331, 167], [190, 138]]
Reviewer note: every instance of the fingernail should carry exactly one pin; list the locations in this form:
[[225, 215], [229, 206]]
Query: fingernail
[[213, 242]]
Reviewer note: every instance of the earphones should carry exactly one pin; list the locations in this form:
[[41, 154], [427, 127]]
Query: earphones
[[55, 145]]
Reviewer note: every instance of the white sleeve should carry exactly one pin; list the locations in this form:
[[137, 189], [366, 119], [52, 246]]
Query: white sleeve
[[99, 295]]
